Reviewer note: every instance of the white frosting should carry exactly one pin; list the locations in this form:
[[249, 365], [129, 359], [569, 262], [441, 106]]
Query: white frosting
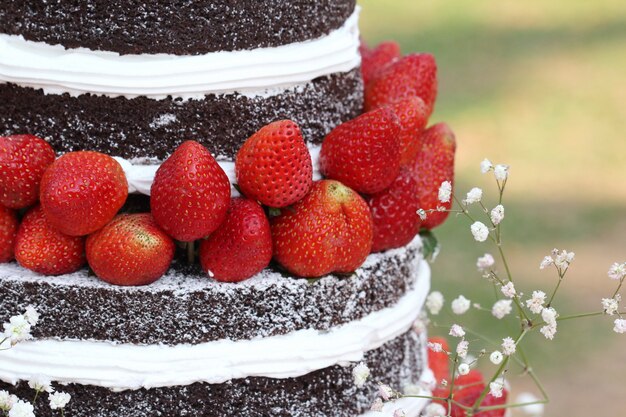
[[127, 366], [257, 72], [141, 175]]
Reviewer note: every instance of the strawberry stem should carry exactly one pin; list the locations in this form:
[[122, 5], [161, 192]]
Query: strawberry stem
[[191, 252]]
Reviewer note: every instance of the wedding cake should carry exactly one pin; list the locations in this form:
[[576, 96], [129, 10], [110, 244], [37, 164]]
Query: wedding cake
[[134, 80]]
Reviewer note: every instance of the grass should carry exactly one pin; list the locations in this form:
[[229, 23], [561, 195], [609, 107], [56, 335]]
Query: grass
[[538, 85]]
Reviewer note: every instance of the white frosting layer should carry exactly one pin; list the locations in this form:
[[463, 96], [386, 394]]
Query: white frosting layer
[[262, 71], [127, 366], [140, 176]]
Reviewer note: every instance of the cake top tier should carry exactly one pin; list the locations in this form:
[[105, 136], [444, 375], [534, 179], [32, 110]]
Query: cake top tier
[[179, 27]]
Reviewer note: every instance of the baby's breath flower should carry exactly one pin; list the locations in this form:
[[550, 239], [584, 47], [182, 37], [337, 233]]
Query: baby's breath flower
[[435, 347], [535, 303], [399, 413], [385, 392], [31, 315], [546, 262], [564, 259], [479, 231], [485, 166], [22, 409], [534, 410], [6, 400], [508, 346], [497, 214], [462, 348], [501, 172], [360, 373], [548, 331], [59, 400], [495, 389], [17, 329], [419, 326], [460, 305], [617, 271], [610, 306], [485, 262], [464, 369], [444, 382], [41, 384], [434, 302], [549, 315], [620, 326], [474, 196], [457, 331], [435, 410], [445, 191], [496, 357], [501, 309], [377, 405], [508, 290], [422, 214]]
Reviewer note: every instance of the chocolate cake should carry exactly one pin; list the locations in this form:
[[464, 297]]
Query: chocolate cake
[[134, 80]]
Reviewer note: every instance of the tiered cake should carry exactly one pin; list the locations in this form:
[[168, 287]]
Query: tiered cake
[[133, 80]]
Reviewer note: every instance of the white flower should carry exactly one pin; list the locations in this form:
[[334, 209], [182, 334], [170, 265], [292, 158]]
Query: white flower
[[462, 348], [434, 302], [501, 172], [497, 214], [59, 400], [457, 331], [501, 309], [548, 331], [422, 214], [508, 346], [496, 357], [22, 409], [563, 259], [419, 326], [435, 347], [435, 410], [535, 303], [549, 315], [610, 305], [485, 166], [495, 389], [41, 384], [474, 196], [445, 191], [479, 231], [546, 262], [444, 382], [534, 410], [385, 392], [31, 315], [360, 373], [17, 329], [620, 326], [485, 262], [377, 405], [399, 413], [464, 369], [460, 305], [617, 271], [6, 400], [508, 290]]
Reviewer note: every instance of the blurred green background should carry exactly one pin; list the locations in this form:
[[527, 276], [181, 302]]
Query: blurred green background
[[539, 85]]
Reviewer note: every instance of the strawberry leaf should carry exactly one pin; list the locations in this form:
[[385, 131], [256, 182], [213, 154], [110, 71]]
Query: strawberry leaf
[[430, 245]]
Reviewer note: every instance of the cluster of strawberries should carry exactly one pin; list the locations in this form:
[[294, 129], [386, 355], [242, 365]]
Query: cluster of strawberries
[[379, 169], [467, 388]]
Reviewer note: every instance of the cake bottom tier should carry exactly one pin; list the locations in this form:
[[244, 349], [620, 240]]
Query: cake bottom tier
[[328, 392]]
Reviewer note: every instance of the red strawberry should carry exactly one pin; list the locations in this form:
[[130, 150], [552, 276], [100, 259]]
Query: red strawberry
[[364, 153], [413, 117], [8, 231], [23, 160], [131, 250], [330, 230], [468, 389], [434, 165], [190, 193], [375, 60], [43, 249], [412, 75], [241, 246], [394, 211], [274, 165], [439, 362], [82, 191]]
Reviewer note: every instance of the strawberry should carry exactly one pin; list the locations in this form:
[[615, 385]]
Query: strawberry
[[438, 362], [435, 164], [274, 165], [241, 246], [130, 250], [412, 75], [375, 60], [468, 389], [82, 191], [364, 153], [23, 160], [394, 211], [330, 230], [8, 231], [43, 249], [412, 114], [190, 193]]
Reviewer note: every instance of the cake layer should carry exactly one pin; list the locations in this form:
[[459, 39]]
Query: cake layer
[[322, 393], [186, 307], [142, 127], [179, 27]]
